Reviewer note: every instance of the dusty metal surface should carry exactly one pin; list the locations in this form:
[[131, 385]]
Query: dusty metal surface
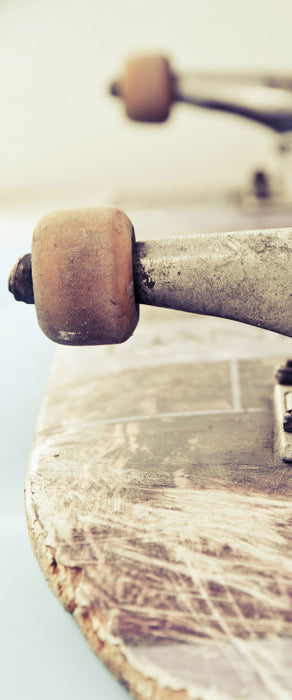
[[241, 275]]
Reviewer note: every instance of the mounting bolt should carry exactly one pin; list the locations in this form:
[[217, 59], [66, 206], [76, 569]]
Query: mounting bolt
[[284, 373], [287, 422]]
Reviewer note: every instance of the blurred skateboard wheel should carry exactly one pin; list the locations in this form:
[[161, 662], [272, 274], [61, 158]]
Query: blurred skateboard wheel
[[147, 88]]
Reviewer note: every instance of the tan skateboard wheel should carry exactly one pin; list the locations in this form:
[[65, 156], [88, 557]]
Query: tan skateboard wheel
[[147, 88], [82, 271]]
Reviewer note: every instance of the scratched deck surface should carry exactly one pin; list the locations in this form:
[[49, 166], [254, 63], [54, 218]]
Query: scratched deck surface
[[159, 509]]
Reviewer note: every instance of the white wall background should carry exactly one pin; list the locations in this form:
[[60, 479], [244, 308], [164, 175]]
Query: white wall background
[[63, 137]]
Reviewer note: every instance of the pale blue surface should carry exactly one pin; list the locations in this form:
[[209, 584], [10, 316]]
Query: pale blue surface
[[42, 652]]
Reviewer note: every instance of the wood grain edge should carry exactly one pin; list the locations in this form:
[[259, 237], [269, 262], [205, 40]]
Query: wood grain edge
[[63, 581]]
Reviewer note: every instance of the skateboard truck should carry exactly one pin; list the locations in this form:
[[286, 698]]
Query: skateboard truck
[[149, 87], [88, 276]]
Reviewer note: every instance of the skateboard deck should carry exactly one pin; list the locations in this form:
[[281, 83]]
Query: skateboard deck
[[157, 504]]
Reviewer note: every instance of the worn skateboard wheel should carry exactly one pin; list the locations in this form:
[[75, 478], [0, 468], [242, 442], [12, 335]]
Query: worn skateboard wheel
[[82, 274], [147, 88]]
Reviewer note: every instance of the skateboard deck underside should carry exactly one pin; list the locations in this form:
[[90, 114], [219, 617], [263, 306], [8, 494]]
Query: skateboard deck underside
[[160, 511]]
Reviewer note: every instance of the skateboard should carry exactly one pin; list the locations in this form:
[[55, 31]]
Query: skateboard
[[158, 501]]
